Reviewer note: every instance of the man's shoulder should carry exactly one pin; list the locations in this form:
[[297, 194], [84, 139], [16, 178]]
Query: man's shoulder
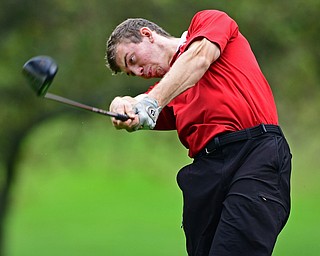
[[209, 12], [208, 17]]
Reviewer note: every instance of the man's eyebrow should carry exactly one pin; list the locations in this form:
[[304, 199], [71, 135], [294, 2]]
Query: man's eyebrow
[[125, 60]]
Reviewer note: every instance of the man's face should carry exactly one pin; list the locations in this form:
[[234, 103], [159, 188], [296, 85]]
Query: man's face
[[144, 59]]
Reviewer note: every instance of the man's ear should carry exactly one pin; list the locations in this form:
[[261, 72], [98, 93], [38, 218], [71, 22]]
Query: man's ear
[[147, 32]]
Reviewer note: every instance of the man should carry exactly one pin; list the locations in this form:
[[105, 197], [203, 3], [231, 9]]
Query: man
[[236, 192]]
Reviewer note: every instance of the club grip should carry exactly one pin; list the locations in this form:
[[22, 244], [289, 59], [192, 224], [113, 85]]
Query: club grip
[[121, 117]]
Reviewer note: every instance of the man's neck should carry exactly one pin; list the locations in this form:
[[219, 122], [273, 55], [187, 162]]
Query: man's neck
[[171, 46]]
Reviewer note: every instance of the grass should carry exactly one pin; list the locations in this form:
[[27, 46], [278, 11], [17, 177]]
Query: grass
[[86, 189], [302, 232], [95, 191], [83, 215]]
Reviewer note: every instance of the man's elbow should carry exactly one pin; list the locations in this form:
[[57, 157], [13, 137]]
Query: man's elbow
[[203, 63]]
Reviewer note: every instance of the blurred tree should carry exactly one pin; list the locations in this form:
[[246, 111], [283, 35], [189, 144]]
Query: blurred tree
[[283, 34]]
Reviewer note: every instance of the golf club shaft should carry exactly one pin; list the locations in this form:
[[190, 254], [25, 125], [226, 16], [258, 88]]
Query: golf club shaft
[[60, 99]]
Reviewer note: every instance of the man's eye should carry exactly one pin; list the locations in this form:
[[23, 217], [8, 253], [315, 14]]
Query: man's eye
[[131, 60]]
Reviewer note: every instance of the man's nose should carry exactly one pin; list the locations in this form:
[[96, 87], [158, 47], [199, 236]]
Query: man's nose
[[138, 71]]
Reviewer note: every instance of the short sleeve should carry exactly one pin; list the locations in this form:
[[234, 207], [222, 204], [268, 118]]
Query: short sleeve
[[214, 25]]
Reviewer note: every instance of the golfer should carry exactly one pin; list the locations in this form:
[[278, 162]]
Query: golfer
[[236, 192]]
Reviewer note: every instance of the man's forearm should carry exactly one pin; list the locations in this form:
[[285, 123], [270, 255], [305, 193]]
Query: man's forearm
[[186, 71]]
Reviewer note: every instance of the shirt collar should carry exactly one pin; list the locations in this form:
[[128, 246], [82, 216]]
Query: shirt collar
[[183, 39]]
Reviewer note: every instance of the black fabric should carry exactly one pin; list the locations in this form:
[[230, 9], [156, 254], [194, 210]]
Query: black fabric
[[237, 199], [239, 136]]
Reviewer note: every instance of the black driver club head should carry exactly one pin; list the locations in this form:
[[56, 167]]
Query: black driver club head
[[40, 72]]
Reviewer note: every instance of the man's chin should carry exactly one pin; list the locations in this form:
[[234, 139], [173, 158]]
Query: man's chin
[[156, 75], [160, 73], [152, 77]]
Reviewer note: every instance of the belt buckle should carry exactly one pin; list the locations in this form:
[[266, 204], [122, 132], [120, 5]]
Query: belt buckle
[[209, 152], [264, 129], [216, 143]]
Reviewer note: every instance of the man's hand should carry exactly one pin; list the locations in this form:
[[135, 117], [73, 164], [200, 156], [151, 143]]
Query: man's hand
[[148, 111], [124, 105], [142, 110]]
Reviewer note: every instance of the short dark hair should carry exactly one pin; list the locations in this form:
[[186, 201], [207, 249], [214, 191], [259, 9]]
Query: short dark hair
[[128, 30]]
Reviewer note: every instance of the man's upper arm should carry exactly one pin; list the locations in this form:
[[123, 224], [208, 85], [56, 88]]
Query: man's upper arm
[[214, 25], [204, 48]]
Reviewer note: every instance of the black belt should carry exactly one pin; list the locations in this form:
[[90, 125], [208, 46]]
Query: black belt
[[245, 134]]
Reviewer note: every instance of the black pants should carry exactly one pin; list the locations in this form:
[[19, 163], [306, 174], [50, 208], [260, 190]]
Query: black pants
[[237, 199]]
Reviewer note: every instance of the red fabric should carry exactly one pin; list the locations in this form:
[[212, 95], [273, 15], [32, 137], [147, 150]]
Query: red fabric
[[232, 95]]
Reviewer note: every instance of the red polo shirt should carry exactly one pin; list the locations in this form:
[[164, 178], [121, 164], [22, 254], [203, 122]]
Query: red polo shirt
[[232, 95]]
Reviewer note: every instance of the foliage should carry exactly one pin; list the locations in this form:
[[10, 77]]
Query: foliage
[[282, 34]]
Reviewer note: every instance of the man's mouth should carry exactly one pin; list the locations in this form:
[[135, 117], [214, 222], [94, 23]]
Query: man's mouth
[[152, 72]]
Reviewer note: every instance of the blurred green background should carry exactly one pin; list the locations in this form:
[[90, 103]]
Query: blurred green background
[[72, 185]]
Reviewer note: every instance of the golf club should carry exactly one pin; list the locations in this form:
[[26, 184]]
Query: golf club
[[40, 72]]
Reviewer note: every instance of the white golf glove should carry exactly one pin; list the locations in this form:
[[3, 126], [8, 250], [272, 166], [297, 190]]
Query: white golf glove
[[148, 111]]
